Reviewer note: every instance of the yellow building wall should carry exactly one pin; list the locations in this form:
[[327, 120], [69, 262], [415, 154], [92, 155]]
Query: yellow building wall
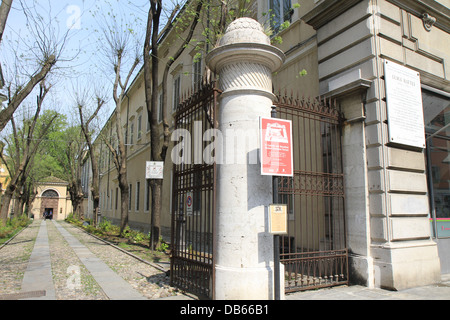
[[64, 207], [299, 44]]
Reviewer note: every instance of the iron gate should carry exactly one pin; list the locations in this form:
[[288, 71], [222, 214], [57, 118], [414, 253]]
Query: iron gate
[[193, 198], [314, 251]]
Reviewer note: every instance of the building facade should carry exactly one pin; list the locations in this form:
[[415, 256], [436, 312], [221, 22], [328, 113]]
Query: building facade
[[397, 195], [388, 186], [52, 198]]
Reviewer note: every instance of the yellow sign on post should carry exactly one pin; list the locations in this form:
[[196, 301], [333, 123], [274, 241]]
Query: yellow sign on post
[[278, 218]]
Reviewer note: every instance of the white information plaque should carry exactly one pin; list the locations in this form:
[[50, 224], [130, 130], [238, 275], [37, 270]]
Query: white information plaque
[[404, 105], [278, 218], [154, 169]]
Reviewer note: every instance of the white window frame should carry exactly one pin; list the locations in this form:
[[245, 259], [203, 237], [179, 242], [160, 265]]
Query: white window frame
[[139, 126], [131, 142]]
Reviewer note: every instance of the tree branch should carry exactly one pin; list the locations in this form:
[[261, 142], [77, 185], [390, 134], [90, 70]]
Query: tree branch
[[6, 114]]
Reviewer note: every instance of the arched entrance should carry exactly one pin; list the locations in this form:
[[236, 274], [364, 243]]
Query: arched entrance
[[49, 203]]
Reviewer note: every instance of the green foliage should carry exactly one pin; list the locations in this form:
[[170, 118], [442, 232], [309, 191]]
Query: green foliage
[[163, 246], [105, 225], [72, 219], [137, 236], [13, 226], [302, 73], [42, 141], [285, 25], [277, 40], [197, 56], [91, 229], [133, 235], [273, 26], [123, 245]]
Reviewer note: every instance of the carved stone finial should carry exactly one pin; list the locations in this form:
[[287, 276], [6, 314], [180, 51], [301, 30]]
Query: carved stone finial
[[245, 59], [244, 30]]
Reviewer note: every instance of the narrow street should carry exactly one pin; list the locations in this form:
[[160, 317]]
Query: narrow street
[[53, 260]]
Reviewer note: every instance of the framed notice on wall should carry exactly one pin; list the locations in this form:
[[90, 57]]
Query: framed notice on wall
[[276, 147], [404, 105], [278, 218]]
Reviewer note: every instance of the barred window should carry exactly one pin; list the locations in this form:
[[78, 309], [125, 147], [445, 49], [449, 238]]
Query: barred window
[[176, 92], [50, 194], [279, 12]]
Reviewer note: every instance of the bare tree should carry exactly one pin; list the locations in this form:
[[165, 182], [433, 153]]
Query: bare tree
[[16, 98], [71, 157], [24, 151], [119, 49], [151, 65], [158, 151], [44, 49], [75, 156], [93, 155]]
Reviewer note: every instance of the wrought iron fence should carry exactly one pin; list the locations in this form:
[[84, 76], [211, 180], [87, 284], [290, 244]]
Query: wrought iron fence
[[314, 250], [193, 198]]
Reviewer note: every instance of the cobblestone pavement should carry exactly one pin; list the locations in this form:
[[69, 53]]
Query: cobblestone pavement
[[14, 259], [73, 281], [71, 278]]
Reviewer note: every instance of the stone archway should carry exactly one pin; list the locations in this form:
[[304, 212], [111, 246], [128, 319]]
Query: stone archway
[[50, 201]]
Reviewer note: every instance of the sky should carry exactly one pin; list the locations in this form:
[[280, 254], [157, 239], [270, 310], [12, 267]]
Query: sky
[[83, 64]]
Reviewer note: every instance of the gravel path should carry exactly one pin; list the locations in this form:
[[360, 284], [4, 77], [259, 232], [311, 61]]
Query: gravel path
[[65, 263], [71, 279], [14, 259]]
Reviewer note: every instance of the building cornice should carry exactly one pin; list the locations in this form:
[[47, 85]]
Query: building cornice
[[327, 10], [52, 181], [433, 8]]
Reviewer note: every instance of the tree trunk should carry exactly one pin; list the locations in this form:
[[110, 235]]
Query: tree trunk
[[156, 187], [80, 209], [20, 195], [30, 198], [151, 65], [4, 12], [18, 207], [93, 156], [124, 198], [77, 203], [94, 190], [96, 203], [151, 74], [6, 201]]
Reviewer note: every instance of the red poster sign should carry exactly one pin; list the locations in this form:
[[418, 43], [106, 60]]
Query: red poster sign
[[276, 147]]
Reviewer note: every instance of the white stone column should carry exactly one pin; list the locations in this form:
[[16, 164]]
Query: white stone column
[[244, 61]]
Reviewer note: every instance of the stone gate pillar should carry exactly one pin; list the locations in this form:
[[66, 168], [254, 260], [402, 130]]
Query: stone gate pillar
[[244, 61]]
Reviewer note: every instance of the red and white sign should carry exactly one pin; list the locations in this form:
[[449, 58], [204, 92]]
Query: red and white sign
[[276, 147], [189, 203]]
